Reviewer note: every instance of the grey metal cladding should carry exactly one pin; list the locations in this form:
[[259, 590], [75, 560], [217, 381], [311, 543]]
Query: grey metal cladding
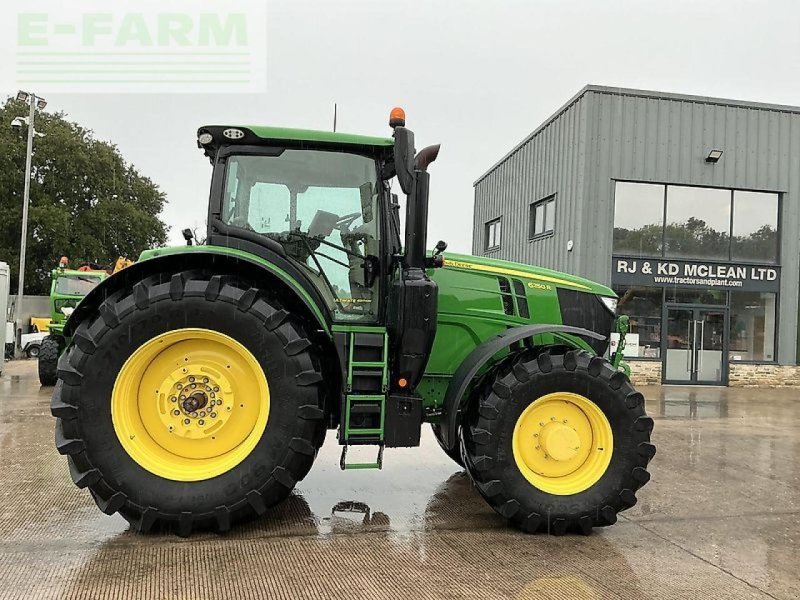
[[551, 162]]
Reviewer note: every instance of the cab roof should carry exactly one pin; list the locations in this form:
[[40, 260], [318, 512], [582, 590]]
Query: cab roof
[[311, 135], [223, 135]]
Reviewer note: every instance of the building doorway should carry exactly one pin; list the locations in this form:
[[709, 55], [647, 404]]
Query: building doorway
[[694, 345]]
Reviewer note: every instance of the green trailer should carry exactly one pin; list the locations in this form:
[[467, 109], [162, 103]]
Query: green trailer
[[198, 384]]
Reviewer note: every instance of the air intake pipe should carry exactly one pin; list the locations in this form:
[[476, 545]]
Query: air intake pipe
[[417, 209]]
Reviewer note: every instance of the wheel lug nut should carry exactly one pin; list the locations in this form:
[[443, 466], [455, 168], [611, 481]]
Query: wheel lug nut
[[186, 421], [176, 412], [205, 379], [213, 415], [202, 413], [216, 388], [201, 422], [208, 388], [179, 386], [194, 385], [191, 378], [173, 399], [213, 395], [194, 415]]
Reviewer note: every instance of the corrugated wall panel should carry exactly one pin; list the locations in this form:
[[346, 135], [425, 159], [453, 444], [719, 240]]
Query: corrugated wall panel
[[552, 162], [665, 140], [604, 135]]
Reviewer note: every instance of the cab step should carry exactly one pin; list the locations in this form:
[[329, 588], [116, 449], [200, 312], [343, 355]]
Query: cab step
[[345, 466]]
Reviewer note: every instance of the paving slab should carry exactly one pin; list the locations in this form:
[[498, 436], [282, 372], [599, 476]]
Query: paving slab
[[718, 520]]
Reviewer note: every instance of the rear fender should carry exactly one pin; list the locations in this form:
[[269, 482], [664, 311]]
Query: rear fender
[[264, 274], [455, 400]]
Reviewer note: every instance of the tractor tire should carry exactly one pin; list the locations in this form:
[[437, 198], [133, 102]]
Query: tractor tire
[[502, 436], [455, 453], [48, 361], [213, 318]]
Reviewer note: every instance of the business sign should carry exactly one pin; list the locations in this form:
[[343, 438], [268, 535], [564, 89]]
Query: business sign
[[694, 274]]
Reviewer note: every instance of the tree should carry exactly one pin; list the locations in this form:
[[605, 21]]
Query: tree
[[86, 202]]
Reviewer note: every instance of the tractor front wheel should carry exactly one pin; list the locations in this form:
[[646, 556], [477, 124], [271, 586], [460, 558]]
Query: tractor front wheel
[[189, 402], [558, 442]]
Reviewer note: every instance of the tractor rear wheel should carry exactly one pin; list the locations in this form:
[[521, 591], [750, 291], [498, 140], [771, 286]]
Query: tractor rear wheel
[[558, 442], [48, 361], [454, 453], [189, 402]]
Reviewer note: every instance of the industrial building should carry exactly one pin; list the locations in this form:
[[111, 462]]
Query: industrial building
[[688, 206]]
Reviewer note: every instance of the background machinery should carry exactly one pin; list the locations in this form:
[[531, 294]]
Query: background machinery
[[67, 288]]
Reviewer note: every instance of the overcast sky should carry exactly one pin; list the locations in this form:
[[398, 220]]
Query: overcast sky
[[475, 76]]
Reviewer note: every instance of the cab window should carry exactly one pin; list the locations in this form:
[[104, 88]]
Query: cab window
[[322, 207]]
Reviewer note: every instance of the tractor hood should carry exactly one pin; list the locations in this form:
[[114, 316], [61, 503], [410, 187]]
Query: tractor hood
[[534, 275]]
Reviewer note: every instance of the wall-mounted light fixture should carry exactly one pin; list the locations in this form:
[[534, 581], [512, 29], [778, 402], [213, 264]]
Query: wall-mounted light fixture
[[714, 156]]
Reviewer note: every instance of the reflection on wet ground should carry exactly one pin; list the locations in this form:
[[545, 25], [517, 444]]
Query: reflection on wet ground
[[718, 520]]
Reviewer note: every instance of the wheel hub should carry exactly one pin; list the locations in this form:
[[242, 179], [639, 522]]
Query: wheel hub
[[559, 441], [196, 402]]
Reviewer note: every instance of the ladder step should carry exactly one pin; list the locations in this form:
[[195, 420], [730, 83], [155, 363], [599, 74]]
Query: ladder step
[[344, 466]]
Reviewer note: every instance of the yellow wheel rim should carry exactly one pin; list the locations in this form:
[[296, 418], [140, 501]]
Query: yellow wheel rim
[[190, 404], [562, 443]]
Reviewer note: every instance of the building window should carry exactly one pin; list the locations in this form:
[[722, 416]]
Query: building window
[[638, 219], [681, 221], [752, 329], [698, 223], [643, 307], [755, 227], [492, 235], [542, 218]]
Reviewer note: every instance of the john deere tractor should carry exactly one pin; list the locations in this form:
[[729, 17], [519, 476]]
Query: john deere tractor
[[198, 383]]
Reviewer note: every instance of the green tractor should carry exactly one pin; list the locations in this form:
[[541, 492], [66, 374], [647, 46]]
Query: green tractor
[[198, 384], [67, 288]]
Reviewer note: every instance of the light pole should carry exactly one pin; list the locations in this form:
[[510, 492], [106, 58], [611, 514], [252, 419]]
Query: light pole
[[35, 103]]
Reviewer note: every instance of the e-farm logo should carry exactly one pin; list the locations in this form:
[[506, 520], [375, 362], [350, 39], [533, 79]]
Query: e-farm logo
[[160, 46]]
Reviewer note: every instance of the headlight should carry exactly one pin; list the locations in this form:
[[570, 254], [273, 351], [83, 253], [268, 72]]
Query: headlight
[[610, 304], [67, 310]]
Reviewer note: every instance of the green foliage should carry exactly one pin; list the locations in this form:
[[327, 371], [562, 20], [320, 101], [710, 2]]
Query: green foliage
[[695, 239], [86, 202]]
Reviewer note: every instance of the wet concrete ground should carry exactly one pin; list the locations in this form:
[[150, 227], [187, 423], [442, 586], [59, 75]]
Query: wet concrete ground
[[720, 519]]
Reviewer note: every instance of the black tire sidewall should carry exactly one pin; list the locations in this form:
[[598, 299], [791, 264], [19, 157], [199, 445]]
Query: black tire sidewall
[[605, 389], [144, 488]]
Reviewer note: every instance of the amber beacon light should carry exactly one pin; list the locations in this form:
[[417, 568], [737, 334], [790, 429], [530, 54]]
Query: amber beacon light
[[397, 118]]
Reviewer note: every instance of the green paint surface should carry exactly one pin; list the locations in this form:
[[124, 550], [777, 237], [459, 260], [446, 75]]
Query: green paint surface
[[310, 135], [281, 274]]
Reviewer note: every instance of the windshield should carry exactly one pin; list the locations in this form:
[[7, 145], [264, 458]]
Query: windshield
[[75, 285], [322, 207]]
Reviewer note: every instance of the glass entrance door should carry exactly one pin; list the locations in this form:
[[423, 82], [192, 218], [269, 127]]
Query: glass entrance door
[[694, 345]]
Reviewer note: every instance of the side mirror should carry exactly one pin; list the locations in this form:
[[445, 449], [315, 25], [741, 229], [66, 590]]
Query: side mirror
[[404, 158], [441, 246], [365, 191]]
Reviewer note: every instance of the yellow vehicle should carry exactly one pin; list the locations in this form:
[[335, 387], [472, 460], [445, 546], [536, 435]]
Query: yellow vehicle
[[40, 324]]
